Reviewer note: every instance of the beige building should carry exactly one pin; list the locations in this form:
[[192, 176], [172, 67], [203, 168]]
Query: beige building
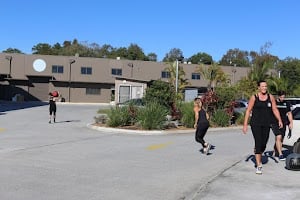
[[82, 79]]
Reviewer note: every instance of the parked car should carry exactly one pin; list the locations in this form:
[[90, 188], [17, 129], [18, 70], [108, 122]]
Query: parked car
[[135, 102], [296, 129], [240, 106], [294, 101]]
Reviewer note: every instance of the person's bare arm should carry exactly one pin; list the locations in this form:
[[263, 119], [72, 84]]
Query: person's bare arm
[[196, 111], [290, 118], [276, 111], [247, 113]]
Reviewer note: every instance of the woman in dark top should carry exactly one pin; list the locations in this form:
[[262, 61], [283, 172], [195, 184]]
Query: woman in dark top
[[52, 107], [201, 124], [262, 105]]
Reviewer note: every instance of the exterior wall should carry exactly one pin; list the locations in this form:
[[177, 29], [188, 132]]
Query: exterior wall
[[34, 85], [131, 85]]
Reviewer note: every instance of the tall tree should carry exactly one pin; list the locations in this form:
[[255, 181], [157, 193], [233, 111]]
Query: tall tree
[[289, 69], [235, 57], [135, 52], [214, 74], [152, 57], [200, 57], [42, 48], [173, 55], [263, 57], [12, 50]]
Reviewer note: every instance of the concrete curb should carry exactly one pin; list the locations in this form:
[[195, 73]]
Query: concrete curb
[[154, 132]]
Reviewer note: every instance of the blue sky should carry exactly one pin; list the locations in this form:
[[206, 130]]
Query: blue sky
[[211, 26]]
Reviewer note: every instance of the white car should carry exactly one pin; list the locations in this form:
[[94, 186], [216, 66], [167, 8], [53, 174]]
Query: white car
[[240, 106], [294, 101], [296, 129]]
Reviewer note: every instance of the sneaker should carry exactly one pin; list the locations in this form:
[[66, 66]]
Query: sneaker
[[259, 170], [281, 157], [208, 148], [49, 121]]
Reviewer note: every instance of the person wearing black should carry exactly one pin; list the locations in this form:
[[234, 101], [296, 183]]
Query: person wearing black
[[261, 105], [201, 125], [287, 120], [52, 107]]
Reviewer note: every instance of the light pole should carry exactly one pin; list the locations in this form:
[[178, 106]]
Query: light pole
[[176, 78], [71, 61], [234, 71], [131, 65], [9, 58]]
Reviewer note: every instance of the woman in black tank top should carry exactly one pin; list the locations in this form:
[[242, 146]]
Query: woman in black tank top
[[201, 125], [261, 105]]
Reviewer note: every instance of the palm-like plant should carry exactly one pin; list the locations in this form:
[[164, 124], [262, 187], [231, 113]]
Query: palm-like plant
[[214, 74], [182, 81]]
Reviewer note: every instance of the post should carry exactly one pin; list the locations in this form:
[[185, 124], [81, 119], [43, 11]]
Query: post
[[71, 61], [9, 58], [176, 79]]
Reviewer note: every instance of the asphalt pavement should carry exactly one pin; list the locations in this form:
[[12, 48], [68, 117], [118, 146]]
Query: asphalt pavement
[[72, 159]]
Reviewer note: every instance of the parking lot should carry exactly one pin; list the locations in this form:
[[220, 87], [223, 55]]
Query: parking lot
[[68, 160]]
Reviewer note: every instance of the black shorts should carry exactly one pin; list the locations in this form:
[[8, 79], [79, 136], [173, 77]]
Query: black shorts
[[278, 131], [52, 109]]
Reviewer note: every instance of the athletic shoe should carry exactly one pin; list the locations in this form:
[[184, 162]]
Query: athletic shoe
[[49, 121], [281, 157], [208, 148], [259, 170]]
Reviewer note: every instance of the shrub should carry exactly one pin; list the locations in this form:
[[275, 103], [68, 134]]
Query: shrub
[[101, 118], [221, 118], [152, 116], [161, 92], [240, 119], [118, 117], [188, 116]]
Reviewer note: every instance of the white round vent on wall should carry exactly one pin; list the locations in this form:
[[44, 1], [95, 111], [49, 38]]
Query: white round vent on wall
[[39, 65]]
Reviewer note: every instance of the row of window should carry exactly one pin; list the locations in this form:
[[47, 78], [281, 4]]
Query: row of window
[[115, 71], [59, 69], [166, 74]]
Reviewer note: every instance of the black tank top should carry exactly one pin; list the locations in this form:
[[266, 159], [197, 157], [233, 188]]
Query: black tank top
[[261, 112], [202, 117]]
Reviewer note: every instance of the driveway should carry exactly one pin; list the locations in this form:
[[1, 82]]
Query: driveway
[[67, 160]]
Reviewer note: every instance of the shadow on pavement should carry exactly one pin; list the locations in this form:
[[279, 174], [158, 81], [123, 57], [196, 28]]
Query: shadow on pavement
[[67, 121], [6, 106]]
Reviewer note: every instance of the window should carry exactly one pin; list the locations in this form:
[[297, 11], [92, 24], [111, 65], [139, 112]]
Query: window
[[57, 69], [92, 91], [165, 74], [195, 76], [86, 70], [116, 71]]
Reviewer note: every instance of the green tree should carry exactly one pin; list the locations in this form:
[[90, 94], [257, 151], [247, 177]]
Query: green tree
[[42, 49], [290, 71], [263, 57], [135, 53], [246, 87], [173, 55], [214, 74], [161, 92], [235, 57], [203, 58], [182, 81], [12, 50], [152, 57]]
